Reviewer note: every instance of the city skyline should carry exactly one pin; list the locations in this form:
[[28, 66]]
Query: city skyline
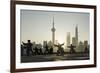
[[36, 25]]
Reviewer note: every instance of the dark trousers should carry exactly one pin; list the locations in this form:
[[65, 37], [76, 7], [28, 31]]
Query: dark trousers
[[29, 51]]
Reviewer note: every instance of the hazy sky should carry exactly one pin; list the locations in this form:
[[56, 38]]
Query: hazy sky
[[36, 25]]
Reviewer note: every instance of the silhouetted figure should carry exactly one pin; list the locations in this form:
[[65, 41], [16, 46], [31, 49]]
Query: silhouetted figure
[[33, 51], [36, 51], [29, 47], [46, 50], [22, 50], [41, 53], [71, 48], [51, 50], [60, 50], [86, 50]]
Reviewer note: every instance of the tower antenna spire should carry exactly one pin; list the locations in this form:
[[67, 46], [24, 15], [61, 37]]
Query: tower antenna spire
[[53, 21], [76, 35], [53, 32]]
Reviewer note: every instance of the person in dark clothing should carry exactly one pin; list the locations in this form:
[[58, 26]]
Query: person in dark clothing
[[36, 51], [60, 50], [86, 50], [51, 50], [29, 47], [22, 50], [71, 48], [46, 50], [41, 53]]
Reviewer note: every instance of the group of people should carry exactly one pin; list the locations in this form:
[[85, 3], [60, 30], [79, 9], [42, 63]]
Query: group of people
[[72, 50], [34, 51], [47, 50]]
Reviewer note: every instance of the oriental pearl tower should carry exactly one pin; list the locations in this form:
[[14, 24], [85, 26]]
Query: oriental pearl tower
[[53, 33]]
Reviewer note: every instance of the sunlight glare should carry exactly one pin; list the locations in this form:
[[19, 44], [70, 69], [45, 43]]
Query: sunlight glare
[[60, 40]]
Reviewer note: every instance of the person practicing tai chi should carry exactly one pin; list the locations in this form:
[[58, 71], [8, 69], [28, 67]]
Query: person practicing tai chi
[[60, 50], [29, 47], [71, 48]]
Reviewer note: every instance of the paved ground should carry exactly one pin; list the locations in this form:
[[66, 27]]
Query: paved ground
[[53, 57]]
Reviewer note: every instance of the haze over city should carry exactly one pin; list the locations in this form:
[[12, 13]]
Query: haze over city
[[54, 35], [36, 25]]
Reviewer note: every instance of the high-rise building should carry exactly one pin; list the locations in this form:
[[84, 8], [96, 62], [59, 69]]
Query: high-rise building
[[68, 39], [53, 33], [76, 36], [74, 41], [80, 47], [85, 43], [86, 46], [44, 43]]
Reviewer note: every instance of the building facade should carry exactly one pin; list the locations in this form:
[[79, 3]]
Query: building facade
[[68, 39]]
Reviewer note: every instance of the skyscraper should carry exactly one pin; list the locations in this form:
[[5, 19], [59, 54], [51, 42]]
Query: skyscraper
[[85, 43], [44, 43], [68, 39], [80, 47], [53, 33], [76, 36], [74, 41]]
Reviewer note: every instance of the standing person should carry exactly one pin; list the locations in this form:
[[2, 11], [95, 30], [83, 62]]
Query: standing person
[[36, 50], [60, 50], [29, 47], [72, 49], [86, 50], [51, 50], [46, 50], [22, 50]]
